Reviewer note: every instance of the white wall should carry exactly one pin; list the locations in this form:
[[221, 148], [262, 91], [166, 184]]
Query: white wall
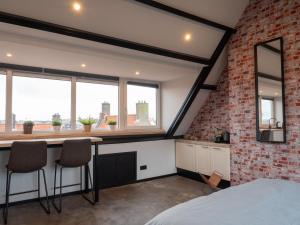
[[173, 94], [159, 156]]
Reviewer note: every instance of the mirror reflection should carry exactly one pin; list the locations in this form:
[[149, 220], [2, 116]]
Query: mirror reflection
[[270, 96]]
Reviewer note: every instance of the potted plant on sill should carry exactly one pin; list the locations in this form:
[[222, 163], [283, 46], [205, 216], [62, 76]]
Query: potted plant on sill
[[87, 123], [56, 124], [112, 124], [28, 127]]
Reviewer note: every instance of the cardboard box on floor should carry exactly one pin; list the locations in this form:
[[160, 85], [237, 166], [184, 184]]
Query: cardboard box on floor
[[213, 180]]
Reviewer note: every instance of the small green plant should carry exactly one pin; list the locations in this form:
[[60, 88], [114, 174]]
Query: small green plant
[[56, 122], [28, 123], [112, 122], [87, 121]]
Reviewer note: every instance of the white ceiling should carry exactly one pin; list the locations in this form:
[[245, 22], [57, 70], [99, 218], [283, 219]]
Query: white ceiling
[[124, 19], [42, 49]]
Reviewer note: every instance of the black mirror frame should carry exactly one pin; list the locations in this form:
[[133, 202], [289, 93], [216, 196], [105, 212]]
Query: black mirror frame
[[282, 86]]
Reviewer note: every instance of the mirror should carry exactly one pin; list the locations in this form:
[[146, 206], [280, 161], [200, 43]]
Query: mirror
[[270, 112]]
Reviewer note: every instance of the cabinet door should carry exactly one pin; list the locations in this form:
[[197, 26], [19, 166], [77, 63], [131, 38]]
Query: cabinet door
[[220, 161], [203, 161], [185, 156]]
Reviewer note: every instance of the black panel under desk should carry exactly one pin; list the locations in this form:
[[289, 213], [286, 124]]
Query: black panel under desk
[[116, 169]]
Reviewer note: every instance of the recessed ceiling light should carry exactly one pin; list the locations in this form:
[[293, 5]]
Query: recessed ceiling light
[[187, 37], [276, 94], [83, 65], [9, 54], [137, 73], [76, 6]]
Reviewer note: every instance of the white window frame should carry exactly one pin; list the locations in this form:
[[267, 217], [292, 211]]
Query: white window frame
[[158, 105], [122, 100], [96, 81], [9, 97]]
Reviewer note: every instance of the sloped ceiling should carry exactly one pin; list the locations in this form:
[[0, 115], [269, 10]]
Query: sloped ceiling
[[125, 19]]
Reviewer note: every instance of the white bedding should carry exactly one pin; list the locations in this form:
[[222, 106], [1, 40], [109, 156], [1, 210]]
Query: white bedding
[[261, 202]]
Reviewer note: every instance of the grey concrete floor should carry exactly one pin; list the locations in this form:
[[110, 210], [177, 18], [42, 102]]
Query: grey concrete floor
[[133, 204]]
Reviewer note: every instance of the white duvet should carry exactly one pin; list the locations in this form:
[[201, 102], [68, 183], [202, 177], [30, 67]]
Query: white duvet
[[261, 202]]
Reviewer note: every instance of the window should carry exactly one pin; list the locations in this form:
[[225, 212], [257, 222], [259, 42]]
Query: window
[[99, 101], [40, 100], [267, 110], [141, 104], [68, 97], [2, 101]]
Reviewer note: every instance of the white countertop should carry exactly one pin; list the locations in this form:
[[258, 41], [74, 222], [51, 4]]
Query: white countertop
[[50, 141], [203, 142]]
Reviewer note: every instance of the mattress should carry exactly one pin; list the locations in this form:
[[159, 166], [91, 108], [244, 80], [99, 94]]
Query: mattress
[[260, 202]]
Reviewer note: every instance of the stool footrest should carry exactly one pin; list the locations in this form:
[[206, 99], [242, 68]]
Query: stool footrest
[[23, 192], [69, 185]]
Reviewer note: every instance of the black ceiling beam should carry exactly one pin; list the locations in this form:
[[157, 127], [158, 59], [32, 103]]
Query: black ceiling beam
[[208, 87], [100, 38], [271, 48], [197, 85], [184, 14], [269, 76]]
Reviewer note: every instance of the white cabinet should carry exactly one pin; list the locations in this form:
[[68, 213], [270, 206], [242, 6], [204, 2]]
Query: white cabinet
[[185, 156], [220, 161], [204, 159]]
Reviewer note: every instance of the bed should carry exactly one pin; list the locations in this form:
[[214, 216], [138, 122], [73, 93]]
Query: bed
[[260, 202]]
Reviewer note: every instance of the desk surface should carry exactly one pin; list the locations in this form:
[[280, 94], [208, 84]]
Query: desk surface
[[50, 141]]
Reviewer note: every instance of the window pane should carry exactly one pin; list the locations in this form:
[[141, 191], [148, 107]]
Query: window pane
[[141, 105], [266, 110], [2, 101], [41, 100], [98, 101]]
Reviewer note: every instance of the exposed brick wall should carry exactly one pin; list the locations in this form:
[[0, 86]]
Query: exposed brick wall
[[215, 112], [262, 20]]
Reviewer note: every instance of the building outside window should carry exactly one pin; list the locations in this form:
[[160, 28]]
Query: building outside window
[[2, 101], [141, 104], [99, 101], [41, 100]]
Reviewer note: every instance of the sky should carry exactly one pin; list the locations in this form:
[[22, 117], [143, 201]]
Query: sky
[[38, 99]]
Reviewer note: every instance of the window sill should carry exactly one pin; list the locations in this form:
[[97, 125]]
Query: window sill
[[80, 133]]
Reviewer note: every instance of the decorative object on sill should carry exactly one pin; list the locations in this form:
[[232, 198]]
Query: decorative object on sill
[[56, 123], [222, 136], [28, 127], [87, 123], [226, 137], [219, 135], [112, 124]]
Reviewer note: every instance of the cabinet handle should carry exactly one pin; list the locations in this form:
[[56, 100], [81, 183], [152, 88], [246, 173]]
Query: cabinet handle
[[218, 149], [204, 146], [190, 145]]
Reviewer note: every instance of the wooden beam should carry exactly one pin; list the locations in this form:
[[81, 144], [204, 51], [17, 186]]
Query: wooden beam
[[184, 14], [100, 38]]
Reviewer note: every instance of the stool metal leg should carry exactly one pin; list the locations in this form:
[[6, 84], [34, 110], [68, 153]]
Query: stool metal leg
[[5, 208], [93, 193], [47, 209], [58, 208]]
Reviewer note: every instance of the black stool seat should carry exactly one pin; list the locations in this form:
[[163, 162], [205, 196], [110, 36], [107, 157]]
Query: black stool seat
[[26, 157]]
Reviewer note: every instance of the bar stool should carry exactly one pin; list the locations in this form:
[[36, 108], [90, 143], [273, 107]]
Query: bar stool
[[26, 157], [74, 154]]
